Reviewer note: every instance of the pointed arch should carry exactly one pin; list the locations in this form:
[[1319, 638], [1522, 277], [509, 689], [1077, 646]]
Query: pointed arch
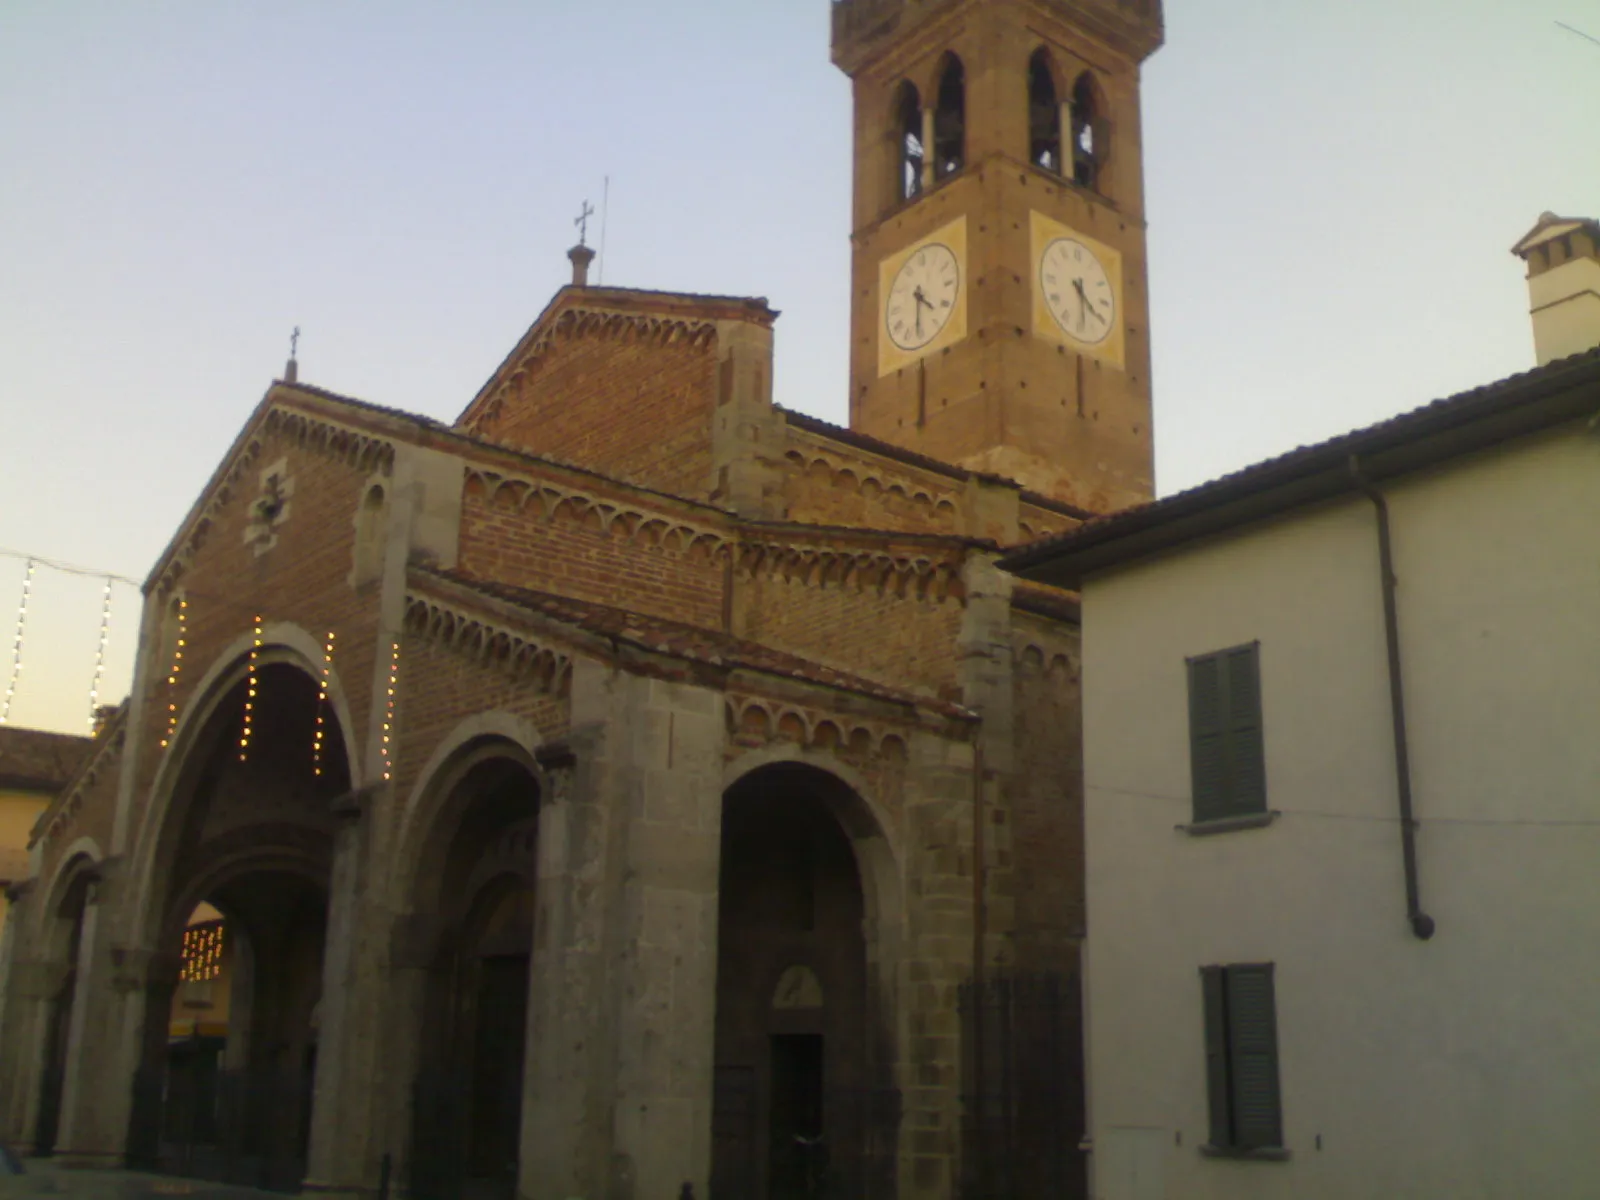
[[950, 118], [1089, 132], [1044, 112], [910, 153]]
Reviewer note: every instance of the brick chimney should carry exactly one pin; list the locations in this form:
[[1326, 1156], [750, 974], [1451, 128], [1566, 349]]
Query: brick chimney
[[1563, 257]]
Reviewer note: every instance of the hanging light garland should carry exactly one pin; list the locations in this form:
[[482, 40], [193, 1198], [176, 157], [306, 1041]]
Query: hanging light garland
[[388, 708], [100, 655], [16, 650], [250, 695], [322, 705], [172, 674]]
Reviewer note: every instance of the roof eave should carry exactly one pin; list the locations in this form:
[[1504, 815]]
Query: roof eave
[[1273, 490]]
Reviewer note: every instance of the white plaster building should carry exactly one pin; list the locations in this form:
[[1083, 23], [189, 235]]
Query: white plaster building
[[1293, 991]]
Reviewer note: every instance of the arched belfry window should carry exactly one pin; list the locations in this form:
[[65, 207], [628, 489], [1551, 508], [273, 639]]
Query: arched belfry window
[[950, 120], [1088, 133], [1044, 114], [908, 140]]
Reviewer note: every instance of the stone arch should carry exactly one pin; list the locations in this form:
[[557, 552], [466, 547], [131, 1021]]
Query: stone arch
[[462, 950], [281, 643], [82, 855], [806, 878], [1045, 92], [484, 735], [861, 816]]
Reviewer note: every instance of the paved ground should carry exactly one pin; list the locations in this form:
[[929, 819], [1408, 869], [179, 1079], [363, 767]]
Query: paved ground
[[43, 1178]]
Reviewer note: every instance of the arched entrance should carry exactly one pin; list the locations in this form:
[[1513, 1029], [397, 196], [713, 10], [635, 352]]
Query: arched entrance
[[239, 907], [803, 1102], [67, 925], [475, 875]]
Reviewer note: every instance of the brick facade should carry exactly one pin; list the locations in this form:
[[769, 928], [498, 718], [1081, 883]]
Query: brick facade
[[678, 766]]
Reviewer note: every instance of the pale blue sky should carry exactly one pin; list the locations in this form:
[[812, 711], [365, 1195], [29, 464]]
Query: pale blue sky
[[1332, 192]]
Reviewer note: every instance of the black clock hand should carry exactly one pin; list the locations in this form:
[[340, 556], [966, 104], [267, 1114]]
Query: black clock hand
[[1086, 305]]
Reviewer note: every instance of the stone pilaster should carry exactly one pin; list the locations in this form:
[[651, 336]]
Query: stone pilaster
[[666, 965], [566, 1103], [341, 1155], [747, 433]]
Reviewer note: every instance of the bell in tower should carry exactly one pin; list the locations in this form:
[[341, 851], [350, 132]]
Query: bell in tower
[[1000, 309]]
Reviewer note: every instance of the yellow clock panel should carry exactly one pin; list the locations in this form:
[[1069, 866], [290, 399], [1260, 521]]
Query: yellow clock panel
[[922, 298], [1077, 291]]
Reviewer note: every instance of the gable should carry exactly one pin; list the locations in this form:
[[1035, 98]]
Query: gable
[[623, 383]]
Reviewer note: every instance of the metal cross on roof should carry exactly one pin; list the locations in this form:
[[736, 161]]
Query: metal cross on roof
[[294, 341], [583, 223]]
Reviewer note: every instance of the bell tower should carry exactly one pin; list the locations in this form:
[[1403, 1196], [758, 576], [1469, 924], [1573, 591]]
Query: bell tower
[[1000, 316]]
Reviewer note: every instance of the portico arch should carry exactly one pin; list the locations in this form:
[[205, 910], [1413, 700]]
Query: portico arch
[[464, 879], [239, 835], [809, 928]]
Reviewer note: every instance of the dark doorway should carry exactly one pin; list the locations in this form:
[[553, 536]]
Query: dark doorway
[[497, 1068], [798, 1153], [802, 1105]]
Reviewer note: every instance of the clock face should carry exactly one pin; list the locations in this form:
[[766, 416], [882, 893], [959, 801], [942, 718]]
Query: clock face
[[922, 298], [1078, 291]]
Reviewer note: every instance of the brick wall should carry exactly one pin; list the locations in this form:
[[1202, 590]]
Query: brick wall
[[831, 483], [304, 579], [439, 688], [582, 551], [899, 639], [1046, 794], [630, 404]]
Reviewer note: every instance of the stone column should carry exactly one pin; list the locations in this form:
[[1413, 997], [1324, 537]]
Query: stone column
[[338, 1159], [938, 960], [929, 166], [34, 985], [86, 1026], [567, 1088], [665, 974]]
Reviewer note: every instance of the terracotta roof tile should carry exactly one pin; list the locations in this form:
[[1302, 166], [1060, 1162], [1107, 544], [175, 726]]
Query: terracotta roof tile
[[36, 760], [678, 640], [1574, 381]]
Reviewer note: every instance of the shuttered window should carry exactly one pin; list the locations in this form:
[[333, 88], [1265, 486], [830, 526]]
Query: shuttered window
[[1241, 1030], [1226, 757]]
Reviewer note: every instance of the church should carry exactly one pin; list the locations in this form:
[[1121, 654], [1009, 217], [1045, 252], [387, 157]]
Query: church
[[635, 788]]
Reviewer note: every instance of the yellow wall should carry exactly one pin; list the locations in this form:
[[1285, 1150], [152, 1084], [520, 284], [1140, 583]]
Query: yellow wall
[[18, 811]]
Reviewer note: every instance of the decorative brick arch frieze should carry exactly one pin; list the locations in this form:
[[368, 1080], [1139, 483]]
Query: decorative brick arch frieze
[[849, 473], [623, 522], [589, 324], [882, 572], [467, 633], [1032, 658], [931, 577], [357, 450], [758, 721]]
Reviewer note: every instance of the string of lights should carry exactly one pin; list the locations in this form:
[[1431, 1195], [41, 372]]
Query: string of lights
[[175, 668], [100, 655], [250, 695], [322, 705], [16, 649], [388, 708]]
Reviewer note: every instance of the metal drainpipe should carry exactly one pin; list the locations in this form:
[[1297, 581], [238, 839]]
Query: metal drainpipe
[[1422, 925]]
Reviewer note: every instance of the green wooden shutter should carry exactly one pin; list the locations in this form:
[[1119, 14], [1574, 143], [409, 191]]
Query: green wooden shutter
[[1218, 1100], [1247, 773], [1253, 1057], [1208, 738]]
